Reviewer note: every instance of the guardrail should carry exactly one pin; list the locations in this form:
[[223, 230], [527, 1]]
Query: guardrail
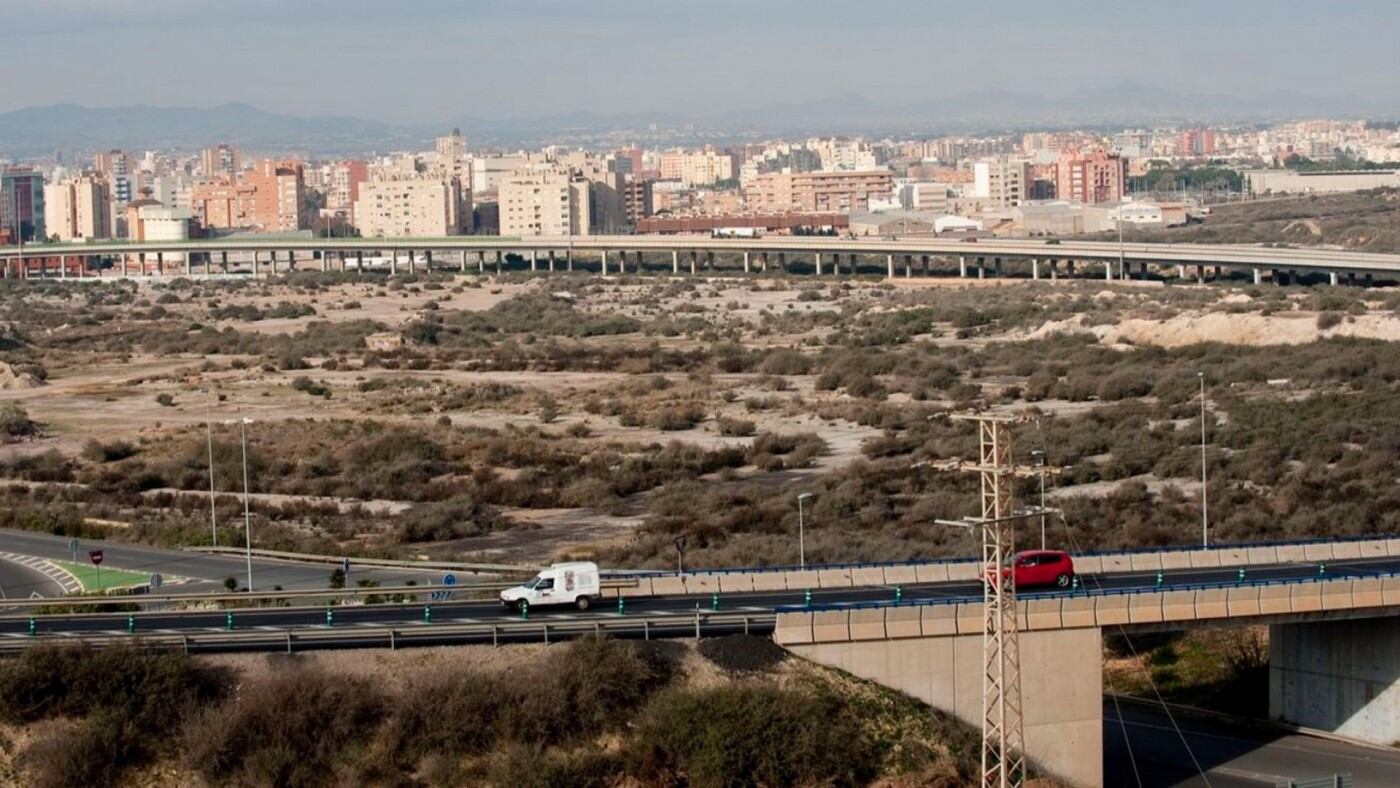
[[690, 624], [381, 563]]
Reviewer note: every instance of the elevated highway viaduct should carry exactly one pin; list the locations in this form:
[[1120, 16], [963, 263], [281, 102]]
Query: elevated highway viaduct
[[1036, 258]]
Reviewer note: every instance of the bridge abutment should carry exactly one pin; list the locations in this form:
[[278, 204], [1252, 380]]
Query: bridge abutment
[[1338, 676]]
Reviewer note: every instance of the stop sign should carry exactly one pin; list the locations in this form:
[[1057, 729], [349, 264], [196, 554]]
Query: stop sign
[[95, 556]]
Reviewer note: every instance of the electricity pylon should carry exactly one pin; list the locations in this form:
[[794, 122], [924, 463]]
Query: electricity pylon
[[1003, 724]]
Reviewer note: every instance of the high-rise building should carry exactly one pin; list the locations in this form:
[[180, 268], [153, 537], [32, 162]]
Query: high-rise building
[[279, 195], [22, 204], [407, 207], [1001, 181], [223, 204], [344, 187], [119, 168], [78, 209], [544, 202], [819, 192], [1195, 142], [636, 198], [1090, 179], [697, 168], [221, 161], [453, 146]]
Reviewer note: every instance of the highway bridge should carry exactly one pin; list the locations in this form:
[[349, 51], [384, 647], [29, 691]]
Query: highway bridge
[[1331, 606], [675, 254]]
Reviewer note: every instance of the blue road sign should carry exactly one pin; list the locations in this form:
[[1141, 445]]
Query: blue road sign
[[449, 579], [156, 580]]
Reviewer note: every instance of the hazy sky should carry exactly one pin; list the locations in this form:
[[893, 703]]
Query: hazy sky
[[426, 60]]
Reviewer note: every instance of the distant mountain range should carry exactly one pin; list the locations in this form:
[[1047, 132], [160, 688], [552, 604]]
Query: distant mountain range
[[36, 131]]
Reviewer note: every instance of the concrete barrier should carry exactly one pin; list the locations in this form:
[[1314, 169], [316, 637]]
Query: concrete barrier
[[939, 620], [667, 585], [1111, 610], [1390, 590], [1373, 548], [793, 629], [1145, 608], [1077, 611], [901, 575], [834, 578], [1367, 592], [1336, 594], [702, 584], [1261, 555], [868, 576], [1233, 556], [1318, 551], [1043, 614], [1088, 564], [736, 583], [931, 573], [801, 580], [1146, 562], [1204, 558], [1392, 547], [769, 581], [831, 626], [867, 624], [970, 618], [1305, 597], [1275, 600], [1178, 605], [967, 570], [1117, 563], [1242, 601], [903, 622], [1211, 603], [642, 588], [1291, 553], [1346, 551], [1176, 559]]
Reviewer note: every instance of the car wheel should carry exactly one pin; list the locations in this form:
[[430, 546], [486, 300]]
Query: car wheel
[[1062, 580], [582, 603], [520, 605]]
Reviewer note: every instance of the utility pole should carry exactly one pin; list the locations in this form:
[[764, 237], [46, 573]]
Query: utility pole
[[213, 508], [1003, 723], [801, 532], [1205, 520]]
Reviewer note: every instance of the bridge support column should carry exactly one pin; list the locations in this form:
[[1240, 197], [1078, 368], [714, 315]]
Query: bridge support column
[[889, 266], [962, 266], [981, 268], [853, 264], [1332, 275], [996, 267], [160, 263], [908, 266], [819, 263], [325, 261], [1258, 276], [534, 261], [1054, 270], [605, 262], [746, 262], [622, 261], [1200, 274], [923, 265], [223, 261], [1368, 280], [393, 263], [710, 261], [782, 262], [763, 262], [675, 262], [499, 261], [693, 256], [1351, 278], [1061, 682], [1035, 269], [1069, 268], [551, 261], [1338, 676], [1180, 271], [1219, 273], [1108, 270]]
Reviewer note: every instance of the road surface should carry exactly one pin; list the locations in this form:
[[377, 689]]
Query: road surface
[[1231, 755]]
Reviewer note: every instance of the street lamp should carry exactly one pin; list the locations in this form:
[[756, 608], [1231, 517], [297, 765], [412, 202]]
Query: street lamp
[[213, 509], [1040, 464], [247, 516], [1205, 520], [801, 532]]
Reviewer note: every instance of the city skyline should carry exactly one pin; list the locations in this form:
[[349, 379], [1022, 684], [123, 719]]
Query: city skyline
[[435, 62]]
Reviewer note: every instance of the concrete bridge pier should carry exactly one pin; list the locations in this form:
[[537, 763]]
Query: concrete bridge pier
[[962, 266], [889, 266], [854, 268], [981, 268], [223, 261], [923, 265], [1054, 269], [534, 260], [1333, 276], [1108, 270], [763, 262], [782, 262], [605, 262], [481, 263], [818, 258], [908, 266], [675, 262], [1338, 676], [710, 262], [551, 261], [622, 261], [746, 262], [1069, 268], [569, 260], [1351, 278], [1219, 273], [499, 255], [693, 257], [996, 267], [393, 263], [1368, 280], [1200, 274], [1180, 271], [1258, 277], [1035, 269]]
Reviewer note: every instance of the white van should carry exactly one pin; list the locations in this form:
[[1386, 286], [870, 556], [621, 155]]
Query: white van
[[574, 583]]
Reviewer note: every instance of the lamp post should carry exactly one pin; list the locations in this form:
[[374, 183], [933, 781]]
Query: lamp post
[[1040, 465], [1205, 519], [801, 532], [247, 515], [213, 509]]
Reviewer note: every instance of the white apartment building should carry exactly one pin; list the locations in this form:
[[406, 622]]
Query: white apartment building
[[697, 168], [413, 208], [1001, 181], [78, 209], [544, 203]]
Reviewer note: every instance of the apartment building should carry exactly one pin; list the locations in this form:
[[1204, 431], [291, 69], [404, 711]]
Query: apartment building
[[119, 168], [697, 168], [1001, 181], [279, 194], [78, 209], [405, 207], [22, 204], [1090, 179], [819, 192], [343, 187], [544, 203], [220, 161], [223, 204]]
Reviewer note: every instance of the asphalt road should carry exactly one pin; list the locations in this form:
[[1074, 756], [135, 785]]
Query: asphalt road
[[1231, 755], [205, 572], [493, 612], [20, 582]]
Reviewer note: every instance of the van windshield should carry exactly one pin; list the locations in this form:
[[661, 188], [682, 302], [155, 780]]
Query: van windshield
[[534, 582]]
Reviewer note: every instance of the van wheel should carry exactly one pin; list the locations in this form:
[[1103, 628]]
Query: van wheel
[[519, 605], [582, 603], [1062, 580]]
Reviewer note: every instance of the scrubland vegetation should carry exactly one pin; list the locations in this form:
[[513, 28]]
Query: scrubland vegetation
[[592, 712]]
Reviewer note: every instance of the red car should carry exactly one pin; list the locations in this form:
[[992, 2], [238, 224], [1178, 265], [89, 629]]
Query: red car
[[1041, 568]]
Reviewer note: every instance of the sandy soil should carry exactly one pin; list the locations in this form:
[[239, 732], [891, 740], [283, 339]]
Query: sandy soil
[[1291, 328]]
